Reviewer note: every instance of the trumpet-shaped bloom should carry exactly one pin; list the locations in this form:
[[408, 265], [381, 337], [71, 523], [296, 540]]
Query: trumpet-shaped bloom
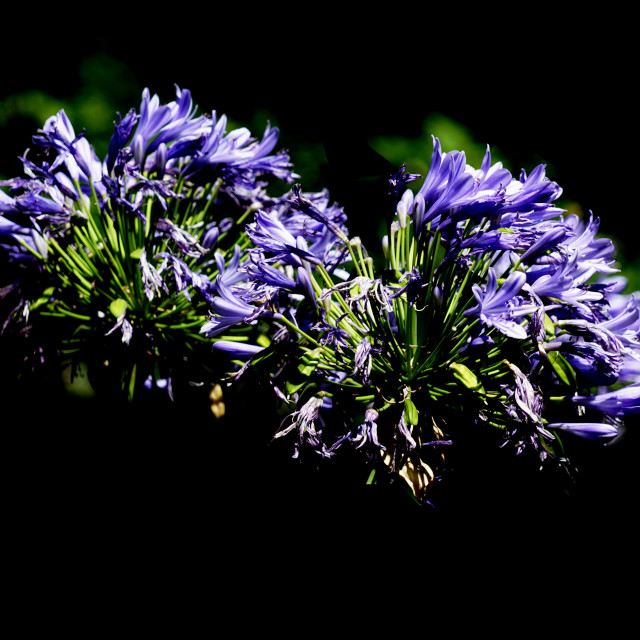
[[270, 234], [453, 191], [227, 310], [588, 430], [236, 349], [497, 306], [619, 402]]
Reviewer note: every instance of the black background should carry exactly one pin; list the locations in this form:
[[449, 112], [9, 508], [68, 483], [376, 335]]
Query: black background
[[527, 84]]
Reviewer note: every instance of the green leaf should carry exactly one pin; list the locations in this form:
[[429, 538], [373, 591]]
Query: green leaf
[[549, 326], [118, 307], [44, 299], [309, 362], [294, 387], [410, 412], [563, 369], [263, 340], [466, 377]]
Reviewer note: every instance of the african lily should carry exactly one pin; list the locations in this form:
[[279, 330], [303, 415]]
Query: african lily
[[116, 258], [492, 310]]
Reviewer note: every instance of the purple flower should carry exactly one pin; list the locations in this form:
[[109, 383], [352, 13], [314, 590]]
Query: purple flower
[[596, 254], [72, 151], [550, 239], [185, 241], [405, 430], [414, 285], [308, 423], [315, 219], [499, 307], [363, 361], [159, 126], [534, 192], [239, 156], [125, 326], [600, 365], [184, 276], [306, 206], [556, 280], [454, 191], [620, 402], [365, 433], [268, 233], [229, 273], [589, 430], [123, 129], [153, 282], [228, 310], [237, 350], [263, 272], [630, 370]]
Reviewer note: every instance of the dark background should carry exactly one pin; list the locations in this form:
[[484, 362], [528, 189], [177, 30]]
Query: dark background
[[537, 89]]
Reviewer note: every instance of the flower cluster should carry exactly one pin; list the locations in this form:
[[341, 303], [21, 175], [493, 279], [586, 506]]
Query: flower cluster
[[488, 307], [112, 260], [493, 309]]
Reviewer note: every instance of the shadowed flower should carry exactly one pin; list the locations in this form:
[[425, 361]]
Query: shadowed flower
[[588, 430]]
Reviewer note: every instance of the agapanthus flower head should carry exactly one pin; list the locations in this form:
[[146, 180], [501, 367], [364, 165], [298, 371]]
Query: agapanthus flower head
[[493, 310], [119, 256]]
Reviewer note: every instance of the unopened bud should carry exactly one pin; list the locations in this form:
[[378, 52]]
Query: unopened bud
[[326, 300], [385, 247], [161, 160]]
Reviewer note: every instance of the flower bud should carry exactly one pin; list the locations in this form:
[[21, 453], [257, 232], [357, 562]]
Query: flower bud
[[418, 213], [139, 150], [326, 300], [304, 279], [161, 160], [385, 247], [403, 208]]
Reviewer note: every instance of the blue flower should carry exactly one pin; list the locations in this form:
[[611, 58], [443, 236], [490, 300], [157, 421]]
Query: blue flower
[[148, 229], [619, 402], [308, 424], [453, 191], [238, 156], [269, 234], [154, 284], [499, 307], [365, 434], [237, 350], [73, 151], [588, 430], [261, 271], [228, 310]]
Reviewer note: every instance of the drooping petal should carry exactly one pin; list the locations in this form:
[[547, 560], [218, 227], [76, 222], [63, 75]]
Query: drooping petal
[[589, 430]]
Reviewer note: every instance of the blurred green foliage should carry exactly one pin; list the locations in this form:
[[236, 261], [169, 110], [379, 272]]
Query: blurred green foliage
[[104, 87], [416, 152]]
